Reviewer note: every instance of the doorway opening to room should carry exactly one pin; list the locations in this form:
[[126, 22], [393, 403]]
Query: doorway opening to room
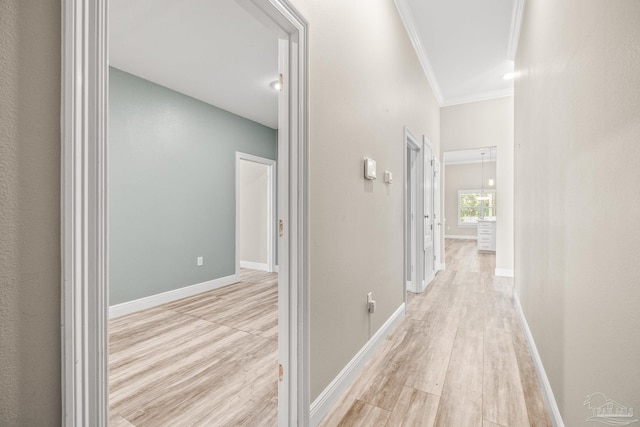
[[149, 218], [470, 209], [413, 213], [198, 332], [256, 226]]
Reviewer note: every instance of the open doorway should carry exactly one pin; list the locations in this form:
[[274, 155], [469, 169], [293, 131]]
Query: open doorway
[[413, 213], [255, 213], [470, 208], [193, 128], [86, 203]]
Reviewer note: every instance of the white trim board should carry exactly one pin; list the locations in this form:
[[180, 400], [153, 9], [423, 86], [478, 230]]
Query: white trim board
[[460, 237], [255, 265], [485, 96], [503, 272], [547, 392], [516, 26], [330, 395], [169, 296]]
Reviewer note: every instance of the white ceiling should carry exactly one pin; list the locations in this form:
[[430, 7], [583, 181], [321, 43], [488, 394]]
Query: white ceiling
[[465, 46], [214, 51], [211, 50], [470, 156]]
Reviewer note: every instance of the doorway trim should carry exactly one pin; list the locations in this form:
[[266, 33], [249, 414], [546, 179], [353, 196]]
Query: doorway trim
[[84, 206], [427, 177], [411, 143], [271, 208]]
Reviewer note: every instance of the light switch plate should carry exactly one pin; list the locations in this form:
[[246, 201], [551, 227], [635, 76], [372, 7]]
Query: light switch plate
[[369, 168], [388, 177]]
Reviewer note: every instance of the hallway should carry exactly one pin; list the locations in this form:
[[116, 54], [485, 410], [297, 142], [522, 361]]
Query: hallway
[[458, 358]]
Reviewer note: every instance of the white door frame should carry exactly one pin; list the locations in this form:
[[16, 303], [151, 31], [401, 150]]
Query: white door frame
[[84, 225], [412, 283], [271, 207], [427, 213], [437, 214]]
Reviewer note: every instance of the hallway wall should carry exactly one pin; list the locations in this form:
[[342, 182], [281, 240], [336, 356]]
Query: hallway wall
[[365, 84], [577, 119], [485, 124], [30, 213]]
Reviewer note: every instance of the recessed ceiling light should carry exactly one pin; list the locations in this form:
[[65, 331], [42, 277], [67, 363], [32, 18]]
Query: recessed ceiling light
[[276, 85], [509, 76]]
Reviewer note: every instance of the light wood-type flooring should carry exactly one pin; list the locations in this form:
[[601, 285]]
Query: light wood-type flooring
[[206, 360], [458, 358]]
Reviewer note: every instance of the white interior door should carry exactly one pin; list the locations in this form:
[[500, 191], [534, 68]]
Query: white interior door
[[412, 235], [437, 217], [429, 270]]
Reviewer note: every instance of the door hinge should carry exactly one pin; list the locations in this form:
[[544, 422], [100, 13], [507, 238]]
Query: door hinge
[[281, 228], [281, 79], [280, 372]]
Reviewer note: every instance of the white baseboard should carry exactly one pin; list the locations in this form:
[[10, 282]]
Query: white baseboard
[[547, 392], [462, 237], [504, 272], [330, 395], [169, 296], [254, 265]]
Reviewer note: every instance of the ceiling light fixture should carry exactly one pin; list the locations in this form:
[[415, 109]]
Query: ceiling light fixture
[[276, 85], [509, 76]]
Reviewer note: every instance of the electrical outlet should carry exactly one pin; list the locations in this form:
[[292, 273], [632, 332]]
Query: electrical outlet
[[199, 261]]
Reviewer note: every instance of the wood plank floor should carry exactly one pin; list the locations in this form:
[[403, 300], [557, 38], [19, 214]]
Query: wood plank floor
[[206, 360], [458, 358]]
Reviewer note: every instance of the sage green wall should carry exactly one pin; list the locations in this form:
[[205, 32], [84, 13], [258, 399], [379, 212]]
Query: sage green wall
[[577, 168], [172, 187], [30, 213]]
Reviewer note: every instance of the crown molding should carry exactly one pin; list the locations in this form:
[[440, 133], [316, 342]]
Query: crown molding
[[486, 96], [516, 26], [409, 25]]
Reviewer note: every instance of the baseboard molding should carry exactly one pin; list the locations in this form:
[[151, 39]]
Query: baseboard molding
[[254, 265], [325, 401], [504, 272], [169, 296], [461, 237], [547, 392]]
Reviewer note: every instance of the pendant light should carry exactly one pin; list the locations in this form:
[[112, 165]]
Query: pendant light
[[482, 196], [491, 182]]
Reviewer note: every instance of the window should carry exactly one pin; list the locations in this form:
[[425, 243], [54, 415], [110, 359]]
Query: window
[[470, 209]]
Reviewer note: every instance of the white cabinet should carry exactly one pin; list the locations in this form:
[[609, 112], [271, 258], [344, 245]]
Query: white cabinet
[[487, 236]]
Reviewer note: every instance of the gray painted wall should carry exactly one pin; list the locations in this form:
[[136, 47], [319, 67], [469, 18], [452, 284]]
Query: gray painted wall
[[172, 187]]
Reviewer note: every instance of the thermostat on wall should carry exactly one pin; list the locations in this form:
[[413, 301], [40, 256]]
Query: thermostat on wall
[[369, 168]]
